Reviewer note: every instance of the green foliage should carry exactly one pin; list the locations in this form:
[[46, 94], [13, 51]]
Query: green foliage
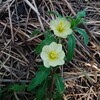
[[59, 87], [4, 93], [59, 83], [83, 33], [71, 46], [7, 92], [41, 91], [78, 19], [74, 22], [41, 75], [81, 14], [17, 87], [48, 39], [35, 32], [57, 96]]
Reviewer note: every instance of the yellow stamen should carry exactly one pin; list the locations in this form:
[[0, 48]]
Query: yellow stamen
[[52, 55], [60, 27]]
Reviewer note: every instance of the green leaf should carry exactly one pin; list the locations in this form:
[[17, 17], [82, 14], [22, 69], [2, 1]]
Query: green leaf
[[35, 32], [57, 96], [78, 19], [81, 14], [41, 91], [71, 46], [39, 78], [59, 83], [17, 87], [84, 34], [74, 21], [48, 39]]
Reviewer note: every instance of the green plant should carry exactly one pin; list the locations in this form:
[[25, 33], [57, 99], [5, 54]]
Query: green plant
[[48, 82]]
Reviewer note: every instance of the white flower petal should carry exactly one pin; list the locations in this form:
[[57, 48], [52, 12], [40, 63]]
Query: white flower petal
[[63, 34], [60, 62], [45, 49], [46, 64], [68, 24], [53, 63], [61, 55], [44, 55], [53, 44], [56, 47], [69, 31], [53, 23], [61, 19], [56, 62]]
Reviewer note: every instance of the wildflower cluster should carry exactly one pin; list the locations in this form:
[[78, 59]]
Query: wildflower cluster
[[53, 54]]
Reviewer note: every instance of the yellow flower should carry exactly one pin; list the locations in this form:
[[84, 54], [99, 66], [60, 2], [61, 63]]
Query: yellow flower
[[52, 55], [61, 27]]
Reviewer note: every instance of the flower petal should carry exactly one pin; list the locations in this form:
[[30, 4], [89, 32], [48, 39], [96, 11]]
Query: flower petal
[[69, 31], [53, 23], [53, 63], [44, 55], [64, 34], [60, 34], [56, 62], [61, 55], [60, 62], [68, 24], [46, 64], [45, 49], [56, 47]]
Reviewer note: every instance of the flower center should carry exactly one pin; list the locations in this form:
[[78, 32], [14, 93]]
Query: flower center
[[60, 27], [52, 55]]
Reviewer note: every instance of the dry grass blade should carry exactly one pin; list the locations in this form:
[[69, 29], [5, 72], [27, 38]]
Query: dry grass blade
[[35, 9]]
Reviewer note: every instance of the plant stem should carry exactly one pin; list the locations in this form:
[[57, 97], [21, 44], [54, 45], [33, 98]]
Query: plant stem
[[53, 71]]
